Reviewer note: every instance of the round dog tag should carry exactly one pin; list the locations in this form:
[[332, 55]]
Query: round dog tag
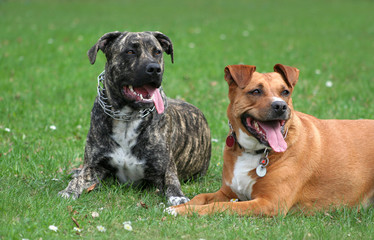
[[230, 140], [261, 171]]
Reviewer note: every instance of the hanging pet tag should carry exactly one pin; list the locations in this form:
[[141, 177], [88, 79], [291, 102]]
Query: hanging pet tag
[[230, 140], [261, 171], [261, 168]]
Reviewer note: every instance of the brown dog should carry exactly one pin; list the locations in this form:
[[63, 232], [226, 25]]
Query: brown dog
[[277, 159]]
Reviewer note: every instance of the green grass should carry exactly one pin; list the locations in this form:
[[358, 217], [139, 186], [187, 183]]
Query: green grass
[[46, 80]]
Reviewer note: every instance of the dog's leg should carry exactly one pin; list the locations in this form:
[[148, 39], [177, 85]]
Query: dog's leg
[[86, 178], [258, 207], [206, 198], [223, 195], [173, 190]]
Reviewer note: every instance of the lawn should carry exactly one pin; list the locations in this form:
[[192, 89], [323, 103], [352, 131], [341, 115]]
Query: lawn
[[48, 87]]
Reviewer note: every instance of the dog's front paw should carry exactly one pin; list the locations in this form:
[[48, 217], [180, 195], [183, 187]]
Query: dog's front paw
[[171, 211], [68, 195], [173, 201]]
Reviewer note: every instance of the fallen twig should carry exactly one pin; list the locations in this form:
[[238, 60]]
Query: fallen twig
[[75, 221]]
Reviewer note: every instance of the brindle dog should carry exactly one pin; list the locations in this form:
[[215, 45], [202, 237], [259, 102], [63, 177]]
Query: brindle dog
[[137, 133]]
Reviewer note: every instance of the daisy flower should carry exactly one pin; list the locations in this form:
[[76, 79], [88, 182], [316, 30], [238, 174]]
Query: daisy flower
[[53, 228], [95, 214], [101, 228], [328, 84], [127, 226]]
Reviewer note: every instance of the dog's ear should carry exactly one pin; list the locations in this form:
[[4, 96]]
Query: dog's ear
[[240, 74], [102, 44], [289, 74], [166, 43]]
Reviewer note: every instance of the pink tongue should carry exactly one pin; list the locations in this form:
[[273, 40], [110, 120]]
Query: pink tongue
[[157, 99], [274, 135]]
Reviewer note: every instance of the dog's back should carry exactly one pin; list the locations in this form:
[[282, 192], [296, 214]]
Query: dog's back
[[191, 156], [344, 150]]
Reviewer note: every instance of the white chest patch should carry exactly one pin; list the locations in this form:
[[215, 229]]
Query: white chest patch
[[241, 183], [129, 168]]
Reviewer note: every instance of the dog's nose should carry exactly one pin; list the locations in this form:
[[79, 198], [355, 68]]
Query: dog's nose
[[279, 107], [153, 69]]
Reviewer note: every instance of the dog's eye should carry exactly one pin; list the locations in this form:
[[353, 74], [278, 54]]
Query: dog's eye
[[285, 93], [255, 92], [158, 52], [130, 52]]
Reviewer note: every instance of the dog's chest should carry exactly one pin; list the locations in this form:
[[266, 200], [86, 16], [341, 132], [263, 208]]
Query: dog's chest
[[129, 167], [242, 183]]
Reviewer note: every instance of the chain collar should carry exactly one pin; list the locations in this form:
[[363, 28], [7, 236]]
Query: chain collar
[[117, 115]]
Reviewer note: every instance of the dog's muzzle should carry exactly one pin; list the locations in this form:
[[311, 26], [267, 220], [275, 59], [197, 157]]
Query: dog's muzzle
[[270, 131], [145, 94]]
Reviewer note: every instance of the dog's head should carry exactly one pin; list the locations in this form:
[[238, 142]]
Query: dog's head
[[134, 67], [260, 103]]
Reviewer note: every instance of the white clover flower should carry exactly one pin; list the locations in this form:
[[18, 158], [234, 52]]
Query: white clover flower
[[52, 127], [53, 228], [214, 140], [127, 226], [77, 229], [329, 84], [101, 228], [95, 214], [7, 129], [317, 71]]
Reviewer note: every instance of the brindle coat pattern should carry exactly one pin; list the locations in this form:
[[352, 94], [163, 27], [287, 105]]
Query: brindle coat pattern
[[170, 147]]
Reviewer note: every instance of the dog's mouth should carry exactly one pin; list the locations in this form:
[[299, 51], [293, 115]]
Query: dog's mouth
[[145, 94], [268, 133]]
